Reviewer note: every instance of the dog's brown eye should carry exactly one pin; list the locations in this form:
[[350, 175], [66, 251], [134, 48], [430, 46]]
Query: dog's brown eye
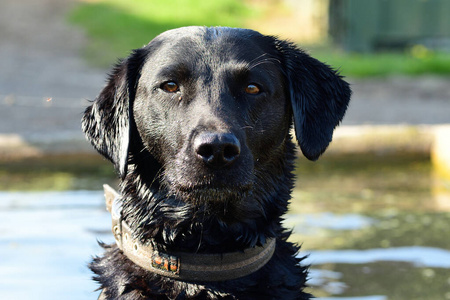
[[252, 89], [170, 87]]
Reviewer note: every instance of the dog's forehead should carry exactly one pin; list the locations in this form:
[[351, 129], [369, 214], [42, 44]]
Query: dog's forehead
[[209, 34], [214, 44]]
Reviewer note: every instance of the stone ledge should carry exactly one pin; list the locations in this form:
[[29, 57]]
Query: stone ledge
[[381, 140], [16, 147], [433, 140]]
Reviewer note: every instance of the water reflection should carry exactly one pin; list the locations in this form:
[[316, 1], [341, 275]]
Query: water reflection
[[375, 227], [46, 241], [422, 257], [56, 173], [441, 192]]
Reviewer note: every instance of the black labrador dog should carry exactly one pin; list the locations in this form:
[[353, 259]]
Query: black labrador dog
[[197, 124]]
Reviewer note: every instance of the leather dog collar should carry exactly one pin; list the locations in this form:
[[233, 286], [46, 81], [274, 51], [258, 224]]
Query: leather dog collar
[[182, 265]]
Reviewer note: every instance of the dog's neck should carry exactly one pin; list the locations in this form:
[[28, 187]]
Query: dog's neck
[[179, 265]]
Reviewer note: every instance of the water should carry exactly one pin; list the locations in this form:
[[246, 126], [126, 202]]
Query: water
[[46, 241], [375, 227]]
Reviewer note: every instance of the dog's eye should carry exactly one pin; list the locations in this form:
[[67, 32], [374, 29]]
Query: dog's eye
[[170, 87], [252, 89]]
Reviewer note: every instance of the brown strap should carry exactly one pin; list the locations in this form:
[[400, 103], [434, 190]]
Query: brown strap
[[182, 265]]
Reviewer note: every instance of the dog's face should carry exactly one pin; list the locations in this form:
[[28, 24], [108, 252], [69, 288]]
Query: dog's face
[[211, 108]]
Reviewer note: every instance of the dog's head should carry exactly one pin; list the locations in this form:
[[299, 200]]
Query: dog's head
[[210, 110]]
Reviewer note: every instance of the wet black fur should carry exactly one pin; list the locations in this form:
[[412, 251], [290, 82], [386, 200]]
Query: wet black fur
[[170, 196]]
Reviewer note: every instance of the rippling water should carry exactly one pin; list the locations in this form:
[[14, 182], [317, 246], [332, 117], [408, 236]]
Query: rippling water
[[374, 228]]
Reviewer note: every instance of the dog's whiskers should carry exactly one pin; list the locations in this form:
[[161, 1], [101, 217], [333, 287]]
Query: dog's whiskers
[[256, 59], [256, 63]]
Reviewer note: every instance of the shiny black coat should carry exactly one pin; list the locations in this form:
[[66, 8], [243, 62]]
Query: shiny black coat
[[197, 124]]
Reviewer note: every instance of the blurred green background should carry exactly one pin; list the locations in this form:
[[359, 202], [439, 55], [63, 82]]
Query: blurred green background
[[358, 36]]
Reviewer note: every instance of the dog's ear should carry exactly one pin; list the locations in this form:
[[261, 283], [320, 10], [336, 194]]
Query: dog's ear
[[319, 98], [107, 122]]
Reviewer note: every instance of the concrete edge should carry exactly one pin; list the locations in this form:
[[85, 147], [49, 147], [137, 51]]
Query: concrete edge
[[383, 139], [16, 147], [433, 140]]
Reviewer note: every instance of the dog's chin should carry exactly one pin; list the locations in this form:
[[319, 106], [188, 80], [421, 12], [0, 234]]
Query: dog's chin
[[200, 194], [220, 201]]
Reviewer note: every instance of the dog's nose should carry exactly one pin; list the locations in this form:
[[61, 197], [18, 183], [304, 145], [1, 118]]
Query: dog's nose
[[217, 149]]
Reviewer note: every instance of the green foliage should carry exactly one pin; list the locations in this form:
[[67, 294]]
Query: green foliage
[[116, 26], [389, 63]]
